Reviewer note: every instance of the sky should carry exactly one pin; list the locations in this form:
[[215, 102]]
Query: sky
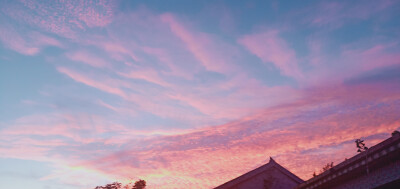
[[190, 94]]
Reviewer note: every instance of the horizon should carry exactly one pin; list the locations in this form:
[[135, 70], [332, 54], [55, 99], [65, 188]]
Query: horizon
[[184, 94]]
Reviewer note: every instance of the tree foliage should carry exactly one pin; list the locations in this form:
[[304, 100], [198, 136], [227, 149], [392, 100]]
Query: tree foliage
[[114, 185], [314, 174], [327, 167], [140, 184]]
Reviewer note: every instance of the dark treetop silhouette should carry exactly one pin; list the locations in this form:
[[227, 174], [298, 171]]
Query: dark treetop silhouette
[[140, 184]]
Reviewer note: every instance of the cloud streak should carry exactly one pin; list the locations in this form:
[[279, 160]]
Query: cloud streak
[[282, 131], [270, 48], [102, 91]]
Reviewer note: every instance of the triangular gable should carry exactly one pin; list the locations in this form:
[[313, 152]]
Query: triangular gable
[[253, 173]]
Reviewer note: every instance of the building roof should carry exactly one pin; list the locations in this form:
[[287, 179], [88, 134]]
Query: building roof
[[271, 164], [375, 157]]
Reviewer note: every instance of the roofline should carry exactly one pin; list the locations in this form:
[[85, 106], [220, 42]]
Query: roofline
[[394, 140], [259, 170], [288, 173]]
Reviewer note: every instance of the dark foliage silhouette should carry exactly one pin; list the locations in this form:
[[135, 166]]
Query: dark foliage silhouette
[[140, 184], [327, 167]]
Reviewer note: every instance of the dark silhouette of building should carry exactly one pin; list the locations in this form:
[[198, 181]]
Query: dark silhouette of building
[[269, 176], [375, 168]]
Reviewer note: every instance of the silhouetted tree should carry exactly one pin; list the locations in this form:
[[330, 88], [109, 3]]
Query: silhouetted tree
[[327, 166], [114, 185], [314, 174], [140, 184]]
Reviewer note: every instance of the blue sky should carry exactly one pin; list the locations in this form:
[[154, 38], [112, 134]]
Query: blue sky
[[190, 93]]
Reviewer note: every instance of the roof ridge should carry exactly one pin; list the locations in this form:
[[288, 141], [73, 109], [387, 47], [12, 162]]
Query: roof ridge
[[248, 174], [259, 170], [288, 173]]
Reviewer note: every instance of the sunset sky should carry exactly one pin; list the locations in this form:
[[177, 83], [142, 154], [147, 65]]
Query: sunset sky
[[190, 94]]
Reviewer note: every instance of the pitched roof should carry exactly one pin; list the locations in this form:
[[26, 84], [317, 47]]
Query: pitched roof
[[271, 164], [378, 155]]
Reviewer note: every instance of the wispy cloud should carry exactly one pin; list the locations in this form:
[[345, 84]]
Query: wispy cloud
[[200, 45], [110, 87], [63, 18], [333, 114], [271, 48], [30, 43], [280, 131], [87, 58], [121, 89]]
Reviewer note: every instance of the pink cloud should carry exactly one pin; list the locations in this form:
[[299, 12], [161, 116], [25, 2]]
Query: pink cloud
[[213, 155], [14, 41], [164, 56], [371, 58], [146, 100], [25, 42], [63, 18], [95, 14], [167, 102], [88, 58], [106, 87], [302, 126], [116, 50], [247, 97], [301, 135], [270, 48], [200, 45], [41, 129], [43, 40], [151, 39], [194, 105], [331, 10], [336, 14], [149, 75], [352, 61]]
